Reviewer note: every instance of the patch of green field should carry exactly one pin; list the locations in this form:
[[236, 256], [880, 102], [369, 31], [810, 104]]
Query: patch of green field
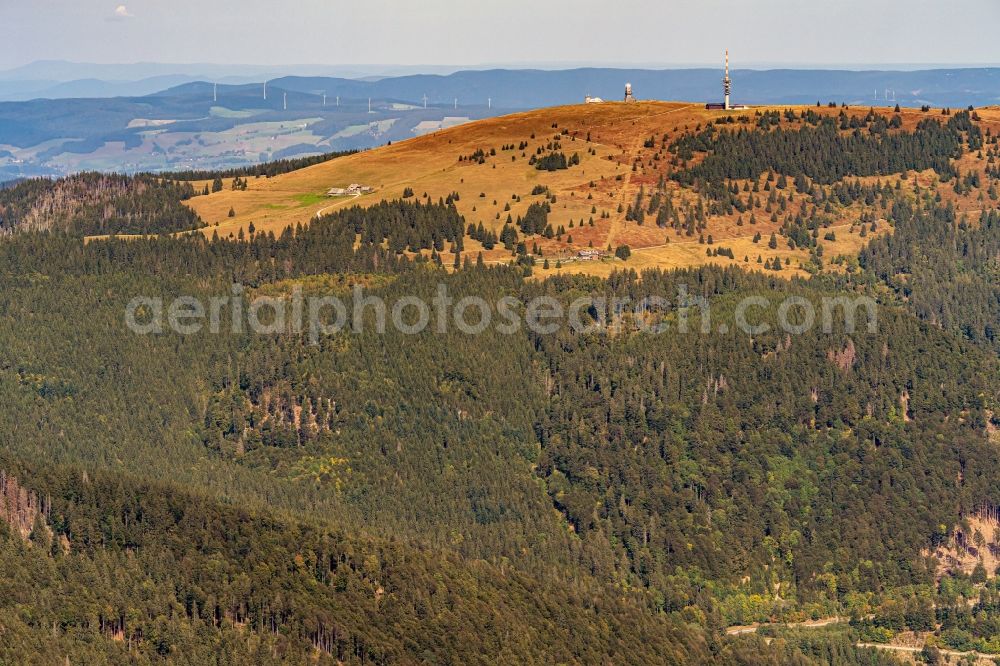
[[309, 199], [223, 112], [352, 130]]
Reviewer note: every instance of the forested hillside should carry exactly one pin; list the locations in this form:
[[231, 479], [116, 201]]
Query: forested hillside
[[821, 153], [601, 496], [93, 204], [114, 570], [266, 169], [946, 267], [811, 464]]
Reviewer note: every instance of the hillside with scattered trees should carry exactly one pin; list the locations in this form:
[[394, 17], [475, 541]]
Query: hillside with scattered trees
[[606, 495], [92, 204]]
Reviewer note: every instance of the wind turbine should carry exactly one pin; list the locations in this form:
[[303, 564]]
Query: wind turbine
[[215, 92], [285, 102], [265, 91], [489, 102], [425, 100]]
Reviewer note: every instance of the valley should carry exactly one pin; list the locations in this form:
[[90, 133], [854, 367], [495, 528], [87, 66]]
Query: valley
[[387, 495]]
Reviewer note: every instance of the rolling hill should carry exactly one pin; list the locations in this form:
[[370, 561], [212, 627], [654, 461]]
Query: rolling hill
[[621, 493], [195, 128], [486, 169]]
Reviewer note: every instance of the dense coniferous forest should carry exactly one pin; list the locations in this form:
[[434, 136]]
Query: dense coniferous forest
[[764, 454], [92, 204], [608, 496], [822, 152], [166, 573], [946, 268]]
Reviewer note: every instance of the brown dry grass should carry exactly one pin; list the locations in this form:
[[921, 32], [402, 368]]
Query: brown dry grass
[[603, 181]]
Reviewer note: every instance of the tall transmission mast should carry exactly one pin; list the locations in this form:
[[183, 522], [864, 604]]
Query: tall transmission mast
[[727, 83]]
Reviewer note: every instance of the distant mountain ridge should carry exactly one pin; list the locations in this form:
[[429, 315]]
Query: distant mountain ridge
[[533, 88], [167, 123], [515, 87], [58, 79]]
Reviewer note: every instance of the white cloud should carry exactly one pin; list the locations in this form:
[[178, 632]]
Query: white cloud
[[121, 12]]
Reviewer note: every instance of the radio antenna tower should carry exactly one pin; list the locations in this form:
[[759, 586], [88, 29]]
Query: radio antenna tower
[[727, 83]]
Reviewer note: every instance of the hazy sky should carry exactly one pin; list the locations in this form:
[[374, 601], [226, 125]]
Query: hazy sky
[[471, 32]]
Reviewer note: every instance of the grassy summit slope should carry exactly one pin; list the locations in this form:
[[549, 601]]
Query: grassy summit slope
[[626, 159]]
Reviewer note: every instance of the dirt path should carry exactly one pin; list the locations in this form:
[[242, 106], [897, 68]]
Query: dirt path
[[808, 624], [339, 204], [827, 621], [914, 650]]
